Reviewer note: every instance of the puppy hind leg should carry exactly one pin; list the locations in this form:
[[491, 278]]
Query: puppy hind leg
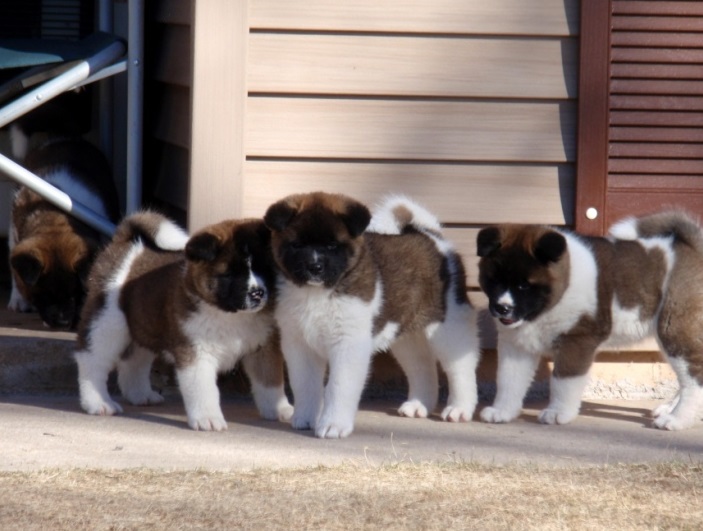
[[683, 412], [107, 339], [455, 344], [266, 376], [413, 355], [134, 377]]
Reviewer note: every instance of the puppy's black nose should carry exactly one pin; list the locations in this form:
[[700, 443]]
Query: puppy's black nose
[[256, 294], [315, 268], [502, 309]]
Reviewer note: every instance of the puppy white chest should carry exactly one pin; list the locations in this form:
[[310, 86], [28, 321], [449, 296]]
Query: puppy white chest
[[226, 336], [321, 318]]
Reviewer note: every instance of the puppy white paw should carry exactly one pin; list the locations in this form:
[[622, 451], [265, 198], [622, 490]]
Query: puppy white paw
[[333, 430], [498, 416], [282, 411], [104, 408], [148, 398], [663, 409], [300, 422], [554, 416], [667, 421], [457, 414], [212, 422], [413, 409], [18, 303], [285, 412]]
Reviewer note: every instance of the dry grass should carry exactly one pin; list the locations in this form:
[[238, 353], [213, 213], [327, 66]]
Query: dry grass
[[403, 496]]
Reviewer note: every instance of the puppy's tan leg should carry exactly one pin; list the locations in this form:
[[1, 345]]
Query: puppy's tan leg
[[265, 371], [134, 377]]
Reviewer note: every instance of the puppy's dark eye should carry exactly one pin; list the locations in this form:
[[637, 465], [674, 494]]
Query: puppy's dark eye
[[296, 245], [332, 246], [524, 286]]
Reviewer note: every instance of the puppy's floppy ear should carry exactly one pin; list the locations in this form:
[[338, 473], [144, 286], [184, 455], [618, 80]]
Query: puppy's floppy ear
[[28, 267], [550, 247], [356, 218], [279, 214], [203, 247], [488, 241]]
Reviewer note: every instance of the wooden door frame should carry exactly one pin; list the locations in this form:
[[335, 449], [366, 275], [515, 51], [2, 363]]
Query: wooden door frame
[[593, 117]]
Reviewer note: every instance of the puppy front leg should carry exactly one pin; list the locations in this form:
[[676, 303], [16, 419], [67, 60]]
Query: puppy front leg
[[516, 369], [349, 368], [201, 397], [572, 361], [306, 373]]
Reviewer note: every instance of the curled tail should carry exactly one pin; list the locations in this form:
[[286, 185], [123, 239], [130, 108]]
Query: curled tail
[[396, 214], [152, 228], [683, 227]]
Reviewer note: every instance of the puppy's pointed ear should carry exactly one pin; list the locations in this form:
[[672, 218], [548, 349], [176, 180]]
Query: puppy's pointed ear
[[279, 214], [356, 218], [203, 247], [550, 247], [28, 267], [488, 241]]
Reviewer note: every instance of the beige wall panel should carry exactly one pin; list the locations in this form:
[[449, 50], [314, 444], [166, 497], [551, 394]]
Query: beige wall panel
[[501, 17], [466, 194], [219, 102], [508, 131], [411, 66]]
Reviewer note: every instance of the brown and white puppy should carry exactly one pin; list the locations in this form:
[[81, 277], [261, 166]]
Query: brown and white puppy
[[203, 303], [51, 251], [555, 293], [346, 293]]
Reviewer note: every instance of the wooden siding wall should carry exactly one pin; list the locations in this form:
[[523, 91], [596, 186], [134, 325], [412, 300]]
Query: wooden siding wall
[[466, 105], [168, 102]]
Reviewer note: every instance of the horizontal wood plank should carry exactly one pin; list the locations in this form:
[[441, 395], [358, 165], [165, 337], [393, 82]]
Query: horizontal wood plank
[[173, 58], [657, 55], [654, 183], [457, 193], [498, 17], [658, 103], [412, 66], [656, 39], [657, 118], [657, 23], [663, 7], [649, 86], [414, 130], [656, 134], [656, 150], [631, 203], [661, 166], [656, 71]]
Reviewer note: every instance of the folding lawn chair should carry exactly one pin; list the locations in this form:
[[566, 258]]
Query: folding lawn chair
[[48, 68]]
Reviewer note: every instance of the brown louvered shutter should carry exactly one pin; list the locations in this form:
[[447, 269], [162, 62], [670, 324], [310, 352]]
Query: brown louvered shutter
[[640, 145]]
